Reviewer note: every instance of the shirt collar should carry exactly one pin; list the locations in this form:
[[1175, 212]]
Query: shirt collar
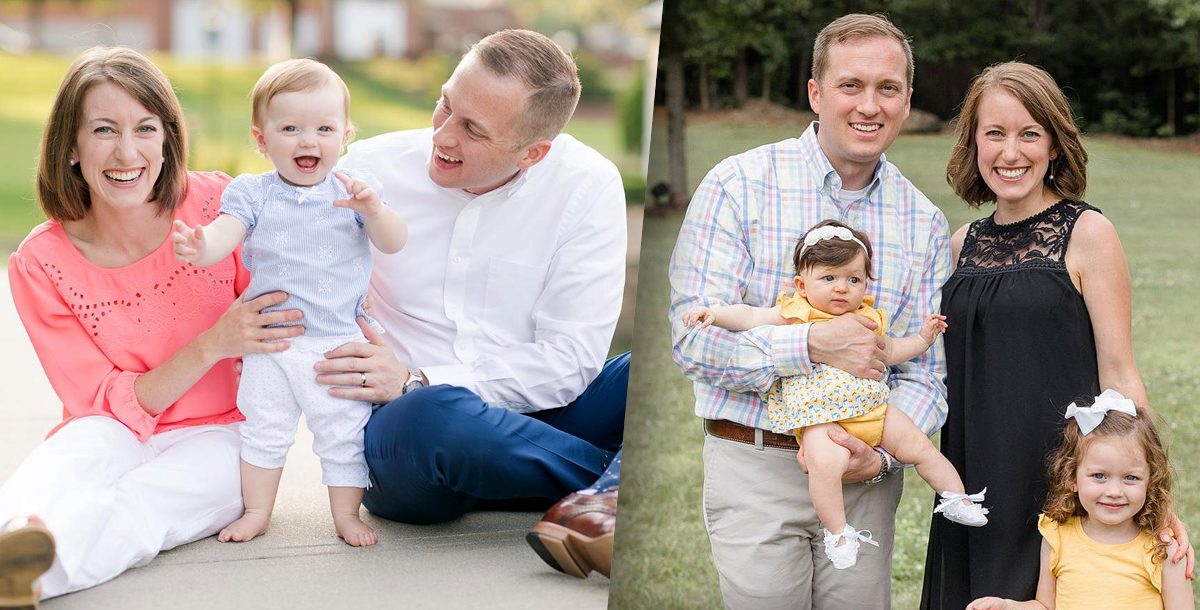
[[503, 192], [304, 193], [831, 182]]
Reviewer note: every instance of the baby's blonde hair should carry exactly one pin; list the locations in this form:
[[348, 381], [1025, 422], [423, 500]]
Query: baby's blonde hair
[[1062, 502], [292, 76]]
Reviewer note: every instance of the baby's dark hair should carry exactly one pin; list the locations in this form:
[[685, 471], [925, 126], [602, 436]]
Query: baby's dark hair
[[831, 252], [1062, 502]]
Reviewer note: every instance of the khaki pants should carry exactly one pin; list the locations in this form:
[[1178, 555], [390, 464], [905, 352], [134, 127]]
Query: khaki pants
[[766, 538]]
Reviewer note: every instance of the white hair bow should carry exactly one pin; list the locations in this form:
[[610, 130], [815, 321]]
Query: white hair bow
[[829, 232], [1090, 417]]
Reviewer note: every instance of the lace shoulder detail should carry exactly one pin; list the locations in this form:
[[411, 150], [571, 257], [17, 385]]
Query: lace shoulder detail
[[1038, 241]]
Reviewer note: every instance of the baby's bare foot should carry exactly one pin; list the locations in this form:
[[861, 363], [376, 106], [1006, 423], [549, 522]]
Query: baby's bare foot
[[252, 524], [356, 533]]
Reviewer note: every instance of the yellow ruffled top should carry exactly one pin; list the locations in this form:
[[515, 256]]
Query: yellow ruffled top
[[798, 310]]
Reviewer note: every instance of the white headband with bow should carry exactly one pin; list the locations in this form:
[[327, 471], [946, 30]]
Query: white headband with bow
[[1090, 417], [829, 232]]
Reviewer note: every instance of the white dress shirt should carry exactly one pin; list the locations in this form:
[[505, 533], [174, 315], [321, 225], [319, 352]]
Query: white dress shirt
[[513, 294]]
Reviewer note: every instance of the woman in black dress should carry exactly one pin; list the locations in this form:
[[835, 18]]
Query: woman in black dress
[[1039, 314]]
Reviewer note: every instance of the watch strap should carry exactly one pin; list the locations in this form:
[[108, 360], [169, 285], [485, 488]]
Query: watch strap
[[415, 381], [885, 467]]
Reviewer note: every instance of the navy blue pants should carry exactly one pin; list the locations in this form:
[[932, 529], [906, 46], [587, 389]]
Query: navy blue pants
[[437, 452]]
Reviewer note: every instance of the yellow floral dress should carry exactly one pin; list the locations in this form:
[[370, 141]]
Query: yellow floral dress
[[828, 394]]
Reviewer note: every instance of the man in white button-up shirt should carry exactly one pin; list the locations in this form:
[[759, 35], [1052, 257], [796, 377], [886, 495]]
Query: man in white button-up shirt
[[501, 308]]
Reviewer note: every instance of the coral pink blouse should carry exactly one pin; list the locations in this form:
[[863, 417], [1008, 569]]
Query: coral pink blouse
[[96, 330]]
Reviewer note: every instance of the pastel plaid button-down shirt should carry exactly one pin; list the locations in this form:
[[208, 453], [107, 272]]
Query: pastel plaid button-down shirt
[[736, 244]]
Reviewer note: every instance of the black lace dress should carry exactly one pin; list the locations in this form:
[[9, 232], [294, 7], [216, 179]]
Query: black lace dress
[[1018, 350]]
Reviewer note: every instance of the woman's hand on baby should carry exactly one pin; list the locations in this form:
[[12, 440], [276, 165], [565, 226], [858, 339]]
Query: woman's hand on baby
[[189, 242], [699, 316], [934, 325], [363, 199], [243, 328]]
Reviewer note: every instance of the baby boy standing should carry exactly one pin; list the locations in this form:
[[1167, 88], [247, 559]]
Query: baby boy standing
[[303, 227]]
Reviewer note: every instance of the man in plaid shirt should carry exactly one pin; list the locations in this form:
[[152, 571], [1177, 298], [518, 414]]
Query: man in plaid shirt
[[735, 246]]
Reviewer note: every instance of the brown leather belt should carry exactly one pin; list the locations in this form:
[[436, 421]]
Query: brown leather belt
[[723, 428]]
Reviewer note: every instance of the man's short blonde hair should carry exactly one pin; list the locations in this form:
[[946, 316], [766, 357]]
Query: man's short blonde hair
[[544, 68], [291, 76], [856, 26]]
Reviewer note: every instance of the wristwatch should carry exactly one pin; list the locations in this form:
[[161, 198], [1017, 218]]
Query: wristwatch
[[416, 381], [885, 468]]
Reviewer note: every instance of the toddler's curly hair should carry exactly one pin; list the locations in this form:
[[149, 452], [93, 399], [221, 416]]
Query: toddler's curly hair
[[1062, 502]]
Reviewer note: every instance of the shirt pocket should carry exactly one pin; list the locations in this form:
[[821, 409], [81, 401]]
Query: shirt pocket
[[512, 290]]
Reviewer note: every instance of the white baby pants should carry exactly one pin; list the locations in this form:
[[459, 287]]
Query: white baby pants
[[114, 502], [275, 388]]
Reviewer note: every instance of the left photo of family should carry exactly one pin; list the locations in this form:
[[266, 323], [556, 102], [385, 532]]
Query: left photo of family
[[413, 225]]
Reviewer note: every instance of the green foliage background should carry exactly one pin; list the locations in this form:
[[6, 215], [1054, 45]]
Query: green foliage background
[[1130, 66]]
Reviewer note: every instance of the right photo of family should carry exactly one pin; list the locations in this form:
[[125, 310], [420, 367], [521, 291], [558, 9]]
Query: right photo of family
[[908, 316]]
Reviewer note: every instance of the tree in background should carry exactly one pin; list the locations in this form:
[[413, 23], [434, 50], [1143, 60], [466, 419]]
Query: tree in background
[[1130, 67]]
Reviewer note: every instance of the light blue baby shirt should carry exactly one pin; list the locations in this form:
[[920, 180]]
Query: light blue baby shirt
[[298, 242]]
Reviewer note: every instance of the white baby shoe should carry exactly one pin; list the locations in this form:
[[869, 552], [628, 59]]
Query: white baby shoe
[[845, 554], [963, 508]]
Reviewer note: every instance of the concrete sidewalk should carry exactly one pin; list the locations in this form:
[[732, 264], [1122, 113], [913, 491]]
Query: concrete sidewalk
[[480, 560]]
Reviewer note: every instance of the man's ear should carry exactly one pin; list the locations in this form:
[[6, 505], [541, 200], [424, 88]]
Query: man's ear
[[799, 284], [534, 153], [259, 138], [814, 95]]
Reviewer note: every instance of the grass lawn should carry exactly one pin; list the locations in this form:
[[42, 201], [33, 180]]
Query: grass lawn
[[662, 552], [387, 95]]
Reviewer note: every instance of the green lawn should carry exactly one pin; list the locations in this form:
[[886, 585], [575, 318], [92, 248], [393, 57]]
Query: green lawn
[[387, 95], [662, 553]]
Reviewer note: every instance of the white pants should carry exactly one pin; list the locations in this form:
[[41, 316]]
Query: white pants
[[766, 537], [114, 502], [275, 388]]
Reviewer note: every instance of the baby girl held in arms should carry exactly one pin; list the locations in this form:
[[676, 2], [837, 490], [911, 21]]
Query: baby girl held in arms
[[832, 264]]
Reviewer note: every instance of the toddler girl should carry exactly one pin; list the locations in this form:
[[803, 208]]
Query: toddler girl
[[1110, 494], [832, 268], [303, 227]]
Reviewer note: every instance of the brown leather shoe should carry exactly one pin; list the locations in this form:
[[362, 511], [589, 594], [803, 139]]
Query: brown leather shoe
[[26, 552], [576, 535]]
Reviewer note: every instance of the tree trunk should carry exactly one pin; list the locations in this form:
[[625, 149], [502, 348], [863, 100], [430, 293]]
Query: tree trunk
[[1171, 101], [36, 9], [705, 100], [294, 18], [326, 31], [677, 159], [766, 84], [741, 86]]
